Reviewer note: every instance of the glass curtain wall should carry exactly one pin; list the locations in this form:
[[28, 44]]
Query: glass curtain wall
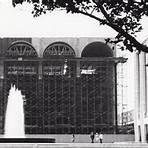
[[73, 95]]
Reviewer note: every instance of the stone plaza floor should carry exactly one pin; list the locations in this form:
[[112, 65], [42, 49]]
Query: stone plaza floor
[[74, 145]]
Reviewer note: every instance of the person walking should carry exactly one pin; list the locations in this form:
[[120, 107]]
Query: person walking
[[73, 138], [101, 137], [97, 137], [92, 136]]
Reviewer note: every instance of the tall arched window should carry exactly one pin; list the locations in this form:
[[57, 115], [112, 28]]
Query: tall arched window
[[20, 49], [59, 77], [59, 49], [97, 87], [21, 70], [97, 49]]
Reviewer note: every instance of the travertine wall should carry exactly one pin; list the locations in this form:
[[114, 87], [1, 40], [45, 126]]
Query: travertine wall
[[40, 44], [77, 44]]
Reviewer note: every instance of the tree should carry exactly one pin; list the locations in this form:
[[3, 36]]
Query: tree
[[121, 15]]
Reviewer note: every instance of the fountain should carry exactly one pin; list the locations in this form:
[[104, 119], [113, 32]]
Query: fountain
[[14, 121]]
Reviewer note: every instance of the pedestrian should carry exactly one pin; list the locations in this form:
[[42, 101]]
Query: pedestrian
[[73, 138], [92, 136], [97, 137], [101, 137]]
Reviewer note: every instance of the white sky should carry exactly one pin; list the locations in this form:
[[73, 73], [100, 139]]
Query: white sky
[[20, 22]]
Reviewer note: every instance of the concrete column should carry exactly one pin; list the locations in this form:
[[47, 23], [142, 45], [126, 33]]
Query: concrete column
[[142, 95], [40, 70], [147, 86], [137, 96], [78, 69]]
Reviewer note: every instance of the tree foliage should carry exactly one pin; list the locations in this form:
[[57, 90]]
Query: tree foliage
[[121, 15]]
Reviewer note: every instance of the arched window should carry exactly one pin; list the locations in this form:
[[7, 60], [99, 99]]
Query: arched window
[[59, 49], [97, 49], [21, 49]]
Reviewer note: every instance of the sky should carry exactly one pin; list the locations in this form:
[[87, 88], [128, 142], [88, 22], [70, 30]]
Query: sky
[[19, 21]]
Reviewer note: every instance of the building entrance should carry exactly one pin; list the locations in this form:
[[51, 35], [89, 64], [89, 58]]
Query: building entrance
[[59, 92]]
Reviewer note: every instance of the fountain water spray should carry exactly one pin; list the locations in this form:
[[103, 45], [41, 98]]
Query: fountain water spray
[[14, 120]]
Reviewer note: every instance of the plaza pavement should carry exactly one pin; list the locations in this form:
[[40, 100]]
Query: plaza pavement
[[74, 145]]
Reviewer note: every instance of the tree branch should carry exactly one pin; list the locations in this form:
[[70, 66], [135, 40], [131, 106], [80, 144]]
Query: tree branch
[[121, 31], [92, 16]]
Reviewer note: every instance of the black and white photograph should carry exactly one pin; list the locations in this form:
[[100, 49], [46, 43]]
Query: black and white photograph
[[73, 73]]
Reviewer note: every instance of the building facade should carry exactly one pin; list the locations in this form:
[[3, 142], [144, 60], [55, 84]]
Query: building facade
[[141, 96], [68, 84]]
